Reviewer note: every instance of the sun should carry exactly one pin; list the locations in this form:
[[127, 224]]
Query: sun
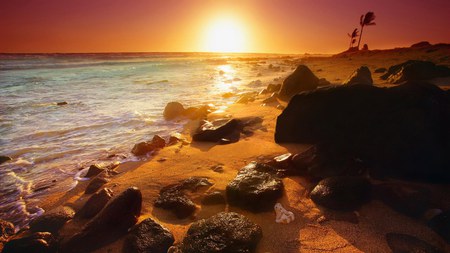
[[225, 35]]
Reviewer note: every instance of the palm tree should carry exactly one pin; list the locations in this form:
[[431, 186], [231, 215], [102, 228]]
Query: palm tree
[[353, 36], [365, 20]]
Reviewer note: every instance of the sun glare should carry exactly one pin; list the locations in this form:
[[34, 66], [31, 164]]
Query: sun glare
[[225, 35]]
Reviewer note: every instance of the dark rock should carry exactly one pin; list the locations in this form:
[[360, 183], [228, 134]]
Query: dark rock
[[323, 82], [271, 99], [273, 87], [400, 132], [144, 148], [255, 188], [301, 80], [360, 76], [95, 184], [380, 70], [173, 197], [441, 225], [95, 203], [223, 232], [214, 198], [4, 159], [94, 170], [415, 70], [121, 213], [148, 236], [365, 48], [6, 230], [41, 242], [401, 243], [52, 221], [410, 200], [173, 110], [280, 107], [216, 130], [341, 193], [283, 166], [421, 44], [61, 103]]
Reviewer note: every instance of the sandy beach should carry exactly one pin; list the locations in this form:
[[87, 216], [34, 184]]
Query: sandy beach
[[315, 229]]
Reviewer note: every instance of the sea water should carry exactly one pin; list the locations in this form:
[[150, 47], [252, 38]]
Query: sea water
[[113, 102]]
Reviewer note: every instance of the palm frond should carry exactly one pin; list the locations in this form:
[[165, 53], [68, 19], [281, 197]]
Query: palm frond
[[368, 18], [355, 33]]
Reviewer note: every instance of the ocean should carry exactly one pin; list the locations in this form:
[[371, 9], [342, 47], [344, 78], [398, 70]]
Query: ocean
[[113, 101]]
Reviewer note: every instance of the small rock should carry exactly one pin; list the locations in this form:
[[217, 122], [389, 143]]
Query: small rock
[[301, 80], [4, 159], [441, 225], [144, 148], [95, 203], [280, 107], [415, 70], [214, 198], [95, 184], [401, 243], [52, 221], [254, 188], [380, 70], [61, 103], [6, 230], [273, 87], [245, 98], [271, 99], [216, 130], [121, 213], [40, 242], [173, 110], [341, 193], [221, 233], [360, 76], [148, 236], [421, 44], [323, 82], [94, 170]]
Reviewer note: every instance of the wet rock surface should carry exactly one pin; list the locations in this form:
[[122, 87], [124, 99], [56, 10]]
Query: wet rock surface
[[148, 236], [402, 243], [214, 198], [217, 130], [361, 76], [95, 203], [441, 225], [143, 148], [223, 232], [174, 198], [414, 70], [255, 188], [41, 242], [4, 159], [302, 79], [379, 126], [342, 193], [95, 184], [52, 221], [112, 222], [94, 170], [380, 70]]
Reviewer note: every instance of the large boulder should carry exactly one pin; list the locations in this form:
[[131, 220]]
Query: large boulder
[[222, 233], [95, 203], [173, 110], [217, 130], [414, 70], [53, 220], [441, 225], [173, 197], [360, 76], [143, 148], [302, 79], [342, 193], [402, 243], [255, 188], [41, 242], [121, 213], [403, 131], [148, 236]]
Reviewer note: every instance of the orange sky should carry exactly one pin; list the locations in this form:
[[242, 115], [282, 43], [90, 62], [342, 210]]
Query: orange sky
[[278, 26]]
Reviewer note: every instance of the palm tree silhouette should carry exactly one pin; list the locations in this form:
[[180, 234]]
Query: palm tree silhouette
[[353, 36], [366, 20]]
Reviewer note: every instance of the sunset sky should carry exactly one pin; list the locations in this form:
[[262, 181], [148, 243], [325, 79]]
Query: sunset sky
[[276, 26]]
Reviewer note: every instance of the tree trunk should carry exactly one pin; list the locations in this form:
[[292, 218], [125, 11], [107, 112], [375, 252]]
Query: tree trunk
[[360, 35]]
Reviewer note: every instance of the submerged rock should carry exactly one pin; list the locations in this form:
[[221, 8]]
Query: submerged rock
[[4, 159], [302, 79], [95, 184], [173, 197], [95, 203], [121, 213], [341, 193], [441, 225], [143, 148], [41, 242], [222, 233], [413, 70], [360, 76], [401, 243], [52, 221], [62, 103], [148, 236], [401, 131], [255, 188]]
